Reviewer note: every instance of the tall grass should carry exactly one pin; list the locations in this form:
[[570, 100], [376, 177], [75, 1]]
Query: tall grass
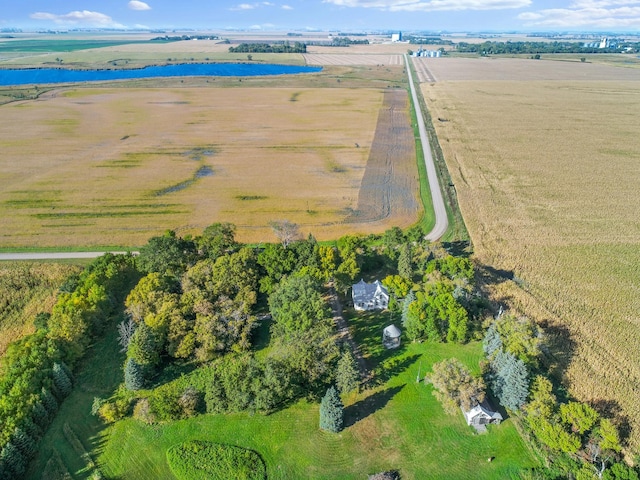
[[27, 289]]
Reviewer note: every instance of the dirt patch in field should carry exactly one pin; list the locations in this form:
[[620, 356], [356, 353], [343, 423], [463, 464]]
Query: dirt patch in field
[[389, 185]]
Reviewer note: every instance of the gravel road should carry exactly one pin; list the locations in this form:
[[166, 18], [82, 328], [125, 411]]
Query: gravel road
[[442, 222], [53, 255]]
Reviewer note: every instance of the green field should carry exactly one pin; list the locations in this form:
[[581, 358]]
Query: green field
[[40, 46], [396, 424]]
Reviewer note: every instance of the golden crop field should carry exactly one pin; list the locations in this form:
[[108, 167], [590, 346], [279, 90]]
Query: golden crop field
[[114, 166], [546, 163]]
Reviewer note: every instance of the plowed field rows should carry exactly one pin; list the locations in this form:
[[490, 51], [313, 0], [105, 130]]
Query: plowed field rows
[[390, 184]]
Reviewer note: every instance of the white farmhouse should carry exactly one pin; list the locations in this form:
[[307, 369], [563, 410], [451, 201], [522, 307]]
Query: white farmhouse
[[369, 296], [481, 415]]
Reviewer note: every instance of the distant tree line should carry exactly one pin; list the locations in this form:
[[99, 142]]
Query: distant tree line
[[179, 38], [284, 47], [498, 48]]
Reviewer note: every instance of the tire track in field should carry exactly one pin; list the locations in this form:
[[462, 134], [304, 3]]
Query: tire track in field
[[424, 74]]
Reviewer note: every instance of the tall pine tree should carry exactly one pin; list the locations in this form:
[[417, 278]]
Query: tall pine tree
[[133, 375], [331, 411]]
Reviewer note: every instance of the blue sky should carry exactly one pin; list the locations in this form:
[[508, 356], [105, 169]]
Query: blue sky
[[354, 15]]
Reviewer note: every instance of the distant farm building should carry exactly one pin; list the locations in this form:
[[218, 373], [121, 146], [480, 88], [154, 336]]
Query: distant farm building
[[396, 37], [369, 296], [427, 53], [391, 337]]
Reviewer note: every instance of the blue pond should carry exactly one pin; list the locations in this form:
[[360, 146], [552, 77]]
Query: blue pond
[[59, 75]]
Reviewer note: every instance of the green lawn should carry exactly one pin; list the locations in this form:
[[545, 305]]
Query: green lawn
[[396, 424]]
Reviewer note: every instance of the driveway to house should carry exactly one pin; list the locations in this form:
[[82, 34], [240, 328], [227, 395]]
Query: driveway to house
[[442, 222], [54, 255]]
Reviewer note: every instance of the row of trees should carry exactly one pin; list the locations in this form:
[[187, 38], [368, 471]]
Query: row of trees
[[496, 48], [284, 47], [36, 376]]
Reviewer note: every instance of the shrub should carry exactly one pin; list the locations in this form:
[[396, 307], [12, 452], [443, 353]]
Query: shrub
[[196, 460], [142, 411], [111, 412]]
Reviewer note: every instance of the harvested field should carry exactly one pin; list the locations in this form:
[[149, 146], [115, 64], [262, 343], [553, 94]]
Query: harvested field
[[352, 59], [522, 69], [547, 178], [113, 166], [422, 69], [390, 183]]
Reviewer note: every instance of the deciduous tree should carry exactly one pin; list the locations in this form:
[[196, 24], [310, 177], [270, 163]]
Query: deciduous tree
[[454, 386]]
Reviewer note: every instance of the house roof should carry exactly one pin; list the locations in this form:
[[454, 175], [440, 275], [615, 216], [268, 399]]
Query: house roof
[[392, 331], [363, 292], [482, 409]]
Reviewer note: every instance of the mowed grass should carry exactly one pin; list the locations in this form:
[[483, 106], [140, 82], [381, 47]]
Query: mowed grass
[[115, 166], [547, 177], [396, 424]]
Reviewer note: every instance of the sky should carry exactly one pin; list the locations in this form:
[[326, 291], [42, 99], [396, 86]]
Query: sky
[[344, 15]]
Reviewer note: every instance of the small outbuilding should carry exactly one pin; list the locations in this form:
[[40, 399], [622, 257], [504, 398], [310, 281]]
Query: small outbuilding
[[481, 415], [391, 337], [369, 296]]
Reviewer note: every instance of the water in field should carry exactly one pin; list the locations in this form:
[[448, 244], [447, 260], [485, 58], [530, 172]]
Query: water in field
[[36, 76]]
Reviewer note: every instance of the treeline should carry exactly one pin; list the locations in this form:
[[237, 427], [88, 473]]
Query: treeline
[[346, 41], [198, 299], [497, 48], [36, 374], [284, 47]]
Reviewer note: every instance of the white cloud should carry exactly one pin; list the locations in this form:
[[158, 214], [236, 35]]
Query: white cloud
[[286, 7], [137, 5], [432, 5], [587, 14], [84, 17], [252, 6]]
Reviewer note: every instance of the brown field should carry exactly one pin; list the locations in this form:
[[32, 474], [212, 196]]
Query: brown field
[[546, 163], [352, 59], [113, 166]]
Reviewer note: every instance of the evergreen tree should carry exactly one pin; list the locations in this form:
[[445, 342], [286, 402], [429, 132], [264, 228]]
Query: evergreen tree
[[61, 380], [24, 442], [405, 306], [133, 375], [143, 347], [12, 461], [49, 402], [40, 415], [347, 375], [492, 341], [405, 267], [510, 380], [331, 411]]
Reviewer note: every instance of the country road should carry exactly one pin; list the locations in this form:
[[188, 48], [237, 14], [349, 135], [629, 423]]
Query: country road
[[53, 255], [442, 222]]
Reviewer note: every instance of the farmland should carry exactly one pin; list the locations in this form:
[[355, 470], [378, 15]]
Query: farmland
[[27, 289], [112, 166], [544, 156]]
